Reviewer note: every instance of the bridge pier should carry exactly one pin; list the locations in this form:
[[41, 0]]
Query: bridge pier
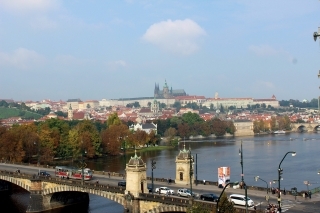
[[37, 201]]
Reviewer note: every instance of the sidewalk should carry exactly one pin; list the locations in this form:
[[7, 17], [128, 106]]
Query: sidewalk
[[216, 190]]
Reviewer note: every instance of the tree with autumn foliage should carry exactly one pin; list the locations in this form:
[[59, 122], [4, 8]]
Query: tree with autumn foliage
[[11, 145], [112, 138]]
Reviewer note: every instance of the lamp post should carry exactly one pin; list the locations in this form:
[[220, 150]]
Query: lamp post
[[153, 166], [258, 178], [191, 171], [242, 179], [224, 188], [83, 165], [38, 152], [280, 170], [196, 169]]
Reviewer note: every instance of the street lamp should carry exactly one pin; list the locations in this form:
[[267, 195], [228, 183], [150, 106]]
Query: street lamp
[[196, 169], [224, 188], [83, 165], [258, 178], [153, 166], [280, 171], [191, 171], [245, 186], [38, 152]]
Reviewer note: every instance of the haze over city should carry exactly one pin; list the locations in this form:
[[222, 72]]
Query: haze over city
[[54, 49]]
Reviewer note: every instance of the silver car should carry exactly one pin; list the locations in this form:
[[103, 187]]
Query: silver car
[[184, 193]]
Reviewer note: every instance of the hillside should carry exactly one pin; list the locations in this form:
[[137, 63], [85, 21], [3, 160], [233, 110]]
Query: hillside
[[13, 112]]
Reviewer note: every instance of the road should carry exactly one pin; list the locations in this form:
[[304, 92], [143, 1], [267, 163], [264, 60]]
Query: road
[[289, 203]]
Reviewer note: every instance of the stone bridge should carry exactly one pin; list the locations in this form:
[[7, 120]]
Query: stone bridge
[[49, 193], [304, 127]]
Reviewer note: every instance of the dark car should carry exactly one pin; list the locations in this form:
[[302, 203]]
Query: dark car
[[44, 174], [209, 197], [150, 189], [122, 183]]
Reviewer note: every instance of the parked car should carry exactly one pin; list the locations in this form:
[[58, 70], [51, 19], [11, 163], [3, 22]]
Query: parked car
[[122, 183], [44, 174], [209, 197], [185, 193], [240, 200], [164, 190], [150, 189]]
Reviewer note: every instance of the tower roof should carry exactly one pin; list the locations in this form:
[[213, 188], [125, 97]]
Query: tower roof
[[135, 161], [184, 154]]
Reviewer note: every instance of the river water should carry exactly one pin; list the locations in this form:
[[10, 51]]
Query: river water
[[261, 157]]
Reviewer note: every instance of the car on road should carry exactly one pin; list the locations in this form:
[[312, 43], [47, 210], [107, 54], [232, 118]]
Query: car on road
[[185, 193], [44, 174], [122, 183], [209, 197], [240, 200], [164, 190], [150, 189]]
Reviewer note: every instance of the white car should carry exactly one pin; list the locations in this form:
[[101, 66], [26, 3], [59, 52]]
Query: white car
[[184, 193], [240, 200], [164, 190]]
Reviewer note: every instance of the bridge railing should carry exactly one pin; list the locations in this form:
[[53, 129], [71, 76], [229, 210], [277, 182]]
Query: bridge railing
[[165, 199], [102, 187]]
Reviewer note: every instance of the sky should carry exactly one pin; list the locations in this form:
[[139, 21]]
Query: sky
[[94, 49]]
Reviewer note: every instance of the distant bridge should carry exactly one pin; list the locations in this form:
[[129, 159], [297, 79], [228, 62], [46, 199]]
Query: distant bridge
[[304, 127]]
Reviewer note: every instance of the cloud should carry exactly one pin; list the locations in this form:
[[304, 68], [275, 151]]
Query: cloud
[[22, 59], [25, 6], [268, 51], [116, 65], [179, 36]]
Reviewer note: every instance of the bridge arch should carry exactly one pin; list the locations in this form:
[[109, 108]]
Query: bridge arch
[[22, 182], [116, 197]]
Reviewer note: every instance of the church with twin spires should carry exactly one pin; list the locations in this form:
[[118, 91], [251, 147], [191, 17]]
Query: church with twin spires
[[166, 92]]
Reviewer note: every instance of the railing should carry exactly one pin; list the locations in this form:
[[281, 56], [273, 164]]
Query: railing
[[68, 182]]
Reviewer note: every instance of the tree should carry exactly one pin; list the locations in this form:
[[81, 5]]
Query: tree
[[149, 104], [88, 106], [111, 142], [170, 134], [191, 118], [225, 205], [177, 105], [183, 130], [218, 127], [113, 119]]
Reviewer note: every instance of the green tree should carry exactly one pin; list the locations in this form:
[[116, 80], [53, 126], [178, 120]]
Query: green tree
[[225, 205], [177, 105], [191, 118], [113, 119], [170, 134]]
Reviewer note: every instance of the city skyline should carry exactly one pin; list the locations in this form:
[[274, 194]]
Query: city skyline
[[93, 50]]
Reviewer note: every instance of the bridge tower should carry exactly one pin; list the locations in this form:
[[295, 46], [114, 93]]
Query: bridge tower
[[183, 167], [136, 176]]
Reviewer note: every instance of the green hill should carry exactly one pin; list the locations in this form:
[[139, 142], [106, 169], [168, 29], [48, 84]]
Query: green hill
[[13, 112]]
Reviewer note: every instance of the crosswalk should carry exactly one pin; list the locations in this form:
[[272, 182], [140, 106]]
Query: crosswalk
[[286, 205]]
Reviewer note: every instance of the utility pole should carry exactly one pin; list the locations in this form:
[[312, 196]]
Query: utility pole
[[242, 179]]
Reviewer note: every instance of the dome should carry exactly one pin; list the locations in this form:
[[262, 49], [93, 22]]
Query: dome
[[135, 161]]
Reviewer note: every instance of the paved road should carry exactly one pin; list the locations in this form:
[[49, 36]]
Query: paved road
[[289, 202]]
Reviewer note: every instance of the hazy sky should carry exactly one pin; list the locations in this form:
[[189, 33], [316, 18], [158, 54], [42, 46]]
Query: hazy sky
[[95, 49]]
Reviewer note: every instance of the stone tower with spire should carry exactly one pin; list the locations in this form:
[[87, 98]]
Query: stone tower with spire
[[184, 164], [136, 176], [70, 113]]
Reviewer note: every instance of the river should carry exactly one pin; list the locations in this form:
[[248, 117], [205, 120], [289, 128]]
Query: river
[[261, 157]]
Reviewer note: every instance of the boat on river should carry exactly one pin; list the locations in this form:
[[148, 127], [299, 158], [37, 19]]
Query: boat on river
[[279, 132]]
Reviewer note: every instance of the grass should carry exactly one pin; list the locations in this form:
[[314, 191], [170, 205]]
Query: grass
[[13, 112]]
